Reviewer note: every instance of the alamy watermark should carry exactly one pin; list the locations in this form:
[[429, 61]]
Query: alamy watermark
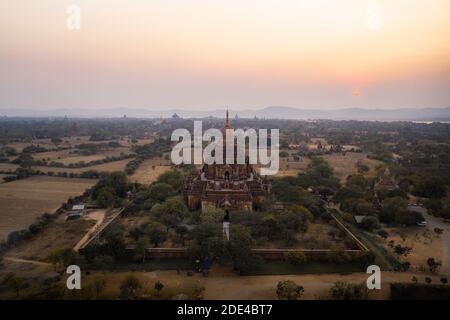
[[73, 20], [374, 280], [74, 280], [263, 147]]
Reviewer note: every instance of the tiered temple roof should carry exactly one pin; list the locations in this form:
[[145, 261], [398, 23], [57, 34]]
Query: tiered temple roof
[[229, 186]]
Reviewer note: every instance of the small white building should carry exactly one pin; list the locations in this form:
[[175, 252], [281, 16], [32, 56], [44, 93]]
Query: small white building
[[77, 211], [359, 219], [78, 207]]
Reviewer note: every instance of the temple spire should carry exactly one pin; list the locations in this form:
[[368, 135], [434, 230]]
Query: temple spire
[[227, 121]]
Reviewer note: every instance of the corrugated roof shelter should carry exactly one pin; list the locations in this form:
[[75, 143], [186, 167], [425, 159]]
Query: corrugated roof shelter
[[78, 207], [359, 219]]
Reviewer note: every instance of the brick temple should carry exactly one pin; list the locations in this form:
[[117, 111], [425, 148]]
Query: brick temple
[[227, 186]]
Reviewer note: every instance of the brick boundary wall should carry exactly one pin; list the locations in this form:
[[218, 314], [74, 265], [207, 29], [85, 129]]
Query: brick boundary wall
[[270, 254]]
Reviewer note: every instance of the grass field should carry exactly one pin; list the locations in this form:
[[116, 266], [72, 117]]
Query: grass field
[[57, 234], [8, 167], [23, 200], [343, 165], [346, 165], [72, 156], [106, 167], [149, 171]]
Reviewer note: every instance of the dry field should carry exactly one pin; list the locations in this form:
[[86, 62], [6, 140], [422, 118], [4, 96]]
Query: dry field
[[22, 201], [58, 234], [343, 165], [76, 140], [8, 167], [225, 285], [126, 142], [70, 156], [346, 165], [290, 167], [424, 243], [290, 164], [149, 170], [148, 174], [106, 167], [318, 236]]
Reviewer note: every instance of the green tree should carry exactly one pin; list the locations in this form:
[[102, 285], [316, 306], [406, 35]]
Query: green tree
[[212, 215], [117, 180], [348, 291], [62, 257], [241, 234], [369, 223], [142, 245], [158, 287], [129, 287], [395, 210], [285, 191], [160, 191], [156, 232], [105, 197], [115, 243], [430, 187], [171, 212], [295, 258], [173, 178], [206, 230], [296, 217], [289, 290], [433, 264]]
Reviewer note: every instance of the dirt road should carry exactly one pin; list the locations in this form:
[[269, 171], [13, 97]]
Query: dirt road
[[264, 287], [233, 287], [38, 263], [98, 216]]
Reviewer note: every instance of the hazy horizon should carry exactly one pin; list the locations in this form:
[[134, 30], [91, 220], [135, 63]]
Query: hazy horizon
[[205, 55]]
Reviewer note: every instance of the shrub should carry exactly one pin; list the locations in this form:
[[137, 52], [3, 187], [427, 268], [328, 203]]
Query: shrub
[[295, 257], [289, 290], [348, 291]]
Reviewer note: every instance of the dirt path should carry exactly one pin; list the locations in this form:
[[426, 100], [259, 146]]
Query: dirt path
[[98, 216], [37, 263], [229, 286], [264, 287]]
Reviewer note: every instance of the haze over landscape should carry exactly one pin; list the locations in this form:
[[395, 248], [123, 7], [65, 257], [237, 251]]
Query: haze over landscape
[[197, 150], [202, 55]]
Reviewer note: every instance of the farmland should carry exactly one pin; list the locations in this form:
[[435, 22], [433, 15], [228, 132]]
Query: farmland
[[149, 170], [345, 165], [24, 200]]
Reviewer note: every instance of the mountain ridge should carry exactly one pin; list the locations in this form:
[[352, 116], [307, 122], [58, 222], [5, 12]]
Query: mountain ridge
[[275, 112]]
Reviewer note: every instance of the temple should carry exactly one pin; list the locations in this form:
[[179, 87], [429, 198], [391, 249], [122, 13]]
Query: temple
[[386, 181], [228, 186]]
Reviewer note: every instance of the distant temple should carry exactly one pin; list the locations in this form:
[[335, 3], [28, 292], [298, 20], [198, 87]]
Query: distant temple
[[386, 181], [175, 117], [228, 186]]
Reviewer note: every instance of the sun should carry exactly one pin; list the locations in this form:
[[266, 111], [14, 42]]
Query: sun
[[356, 93]]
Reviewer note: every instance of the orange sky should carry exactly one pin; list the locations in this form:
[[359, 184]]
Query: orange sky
[[210, 53]]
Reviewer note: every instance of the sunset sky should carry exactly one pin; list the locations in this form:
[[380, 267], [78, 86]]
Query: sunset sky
[[204, 54]]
